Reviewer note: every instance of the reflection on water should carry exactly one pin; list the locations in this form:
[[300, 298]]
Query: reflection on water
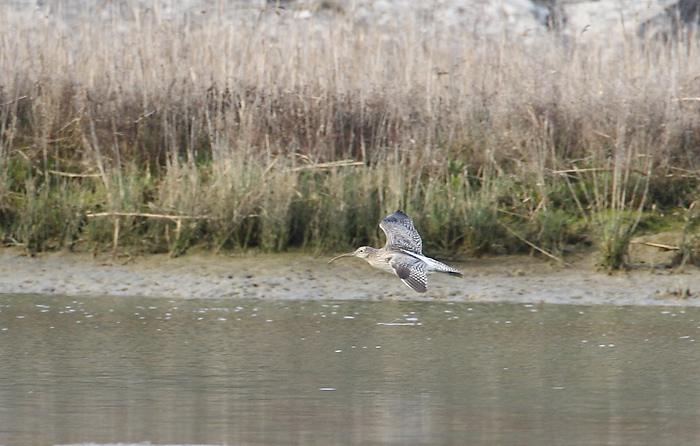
[[311, 373]]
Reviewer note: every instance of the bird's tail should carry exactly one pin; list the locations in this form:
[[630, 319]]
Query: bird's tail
[[434, 265]]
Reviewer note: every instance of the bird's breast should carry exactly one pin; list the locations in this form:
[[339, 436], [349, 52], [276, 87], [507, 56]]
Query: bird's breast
[[383, 263]]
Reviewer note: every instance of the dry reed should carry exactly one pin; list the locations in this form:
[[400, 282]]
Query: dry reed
[[239, 118]]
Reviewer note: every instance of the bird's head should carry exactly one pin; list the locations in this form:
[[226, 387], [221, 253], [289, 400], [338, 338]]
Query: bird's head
[[362, 252]]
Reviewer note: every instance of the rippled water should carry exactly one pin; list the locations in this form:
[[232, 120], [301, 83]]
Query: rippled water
[[310, 373]]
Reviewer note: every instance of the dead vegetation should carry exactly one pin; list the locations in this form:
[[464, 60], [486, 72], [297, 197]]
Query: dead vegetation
[[272, 132]]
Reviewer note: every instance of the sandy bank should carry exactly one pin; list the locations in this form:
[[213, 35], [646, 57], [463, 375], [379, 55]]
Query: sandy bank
[[302, 276]]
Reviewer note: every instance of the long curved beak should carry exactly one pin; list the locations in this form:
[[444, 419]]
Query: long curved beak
[[350, 254]]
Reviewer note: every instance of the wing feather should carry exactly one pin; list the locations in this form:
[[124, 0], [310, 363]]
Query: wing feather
[[400, 233], [411, 271]]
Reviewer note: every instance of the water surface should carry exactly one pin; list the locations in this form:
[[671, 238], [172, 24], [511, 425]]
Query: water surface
[[251, 372]]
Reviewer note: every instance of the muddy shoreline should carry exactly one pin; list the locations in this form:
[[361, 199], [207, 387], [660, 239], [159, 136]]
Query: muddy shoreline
[[518, 279]]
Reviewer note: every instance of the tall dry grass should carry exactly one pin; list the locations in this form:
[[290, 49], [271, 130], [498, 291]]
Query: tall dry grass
[[284, 132]]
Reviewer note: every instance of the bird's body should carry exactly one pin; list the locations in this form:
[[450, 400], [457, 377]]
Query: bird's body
[[403, 253]]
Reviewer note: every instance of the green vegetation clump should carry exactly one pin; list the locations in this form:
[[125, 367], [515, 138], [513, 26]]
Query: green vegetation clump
[[161, 135]]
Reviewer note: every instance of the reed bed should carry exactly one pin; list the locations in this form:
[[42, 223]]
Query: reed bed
[[261, 130]]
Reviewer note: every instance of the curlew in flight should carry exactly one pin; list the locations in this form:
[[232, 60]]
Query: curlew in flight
[[403, 253]]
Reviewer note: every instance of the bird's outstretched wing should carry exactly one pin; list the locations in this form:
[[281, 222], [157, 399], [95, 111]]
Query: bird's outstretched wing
[[411, 271], [400, 233]]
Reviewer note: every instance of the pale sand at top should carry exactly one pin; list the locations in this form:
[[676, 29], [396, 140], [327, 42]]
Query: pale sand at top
[[303, 276]]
